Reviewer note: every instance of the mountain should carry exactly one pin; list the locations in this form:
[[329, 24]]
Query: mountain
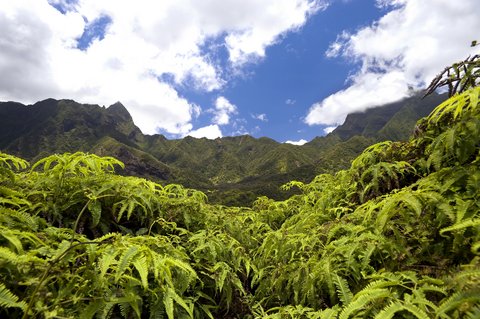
[[231, 170], [392, 121]]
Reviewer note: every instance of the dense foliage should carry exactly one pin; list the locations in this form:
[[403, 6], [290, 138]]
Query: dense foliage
[[395, 235]]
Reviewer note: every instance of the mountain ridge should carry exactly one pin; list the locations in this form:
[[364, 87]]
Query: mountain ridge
[[226, 168]]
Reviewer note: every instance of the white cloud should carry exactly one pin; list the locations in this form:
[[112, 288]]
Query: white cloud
[[329, 129], [223, 110], [210, 132], [145, 41], [407, 47], [299, 142], [367, 90], [261, 23], [261, 117]]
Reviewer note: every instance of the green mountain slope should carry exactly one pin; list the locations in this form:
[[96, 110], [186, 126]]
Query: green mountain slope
[[391, 121], [226, 167]]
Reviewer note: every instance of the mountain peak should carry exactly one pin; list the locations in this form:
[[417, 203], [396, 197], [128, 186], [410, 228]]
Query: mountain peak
[[119, 110]]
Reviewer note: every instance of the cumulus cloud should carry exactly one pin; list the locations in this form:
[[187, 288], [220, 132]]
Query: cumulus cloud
[[248, 43], [211, 132], [223, 111], [299, 142], [406, 48], [105, 51]]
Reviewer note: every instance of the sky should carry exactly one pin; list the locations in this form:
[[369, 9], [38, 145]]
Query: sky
[[290, 70]]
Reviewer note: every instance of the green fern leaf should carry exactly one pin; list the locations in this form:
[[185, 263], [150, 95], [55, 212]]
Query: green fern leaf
[[222, 269], [416, 311], [95, 208], [455, 301], [124, 309], [106, 260], [172, 295], [361, 301], [474, 313], [124, 261], [142, 268], [168, 302], [471, 222], [344, 293], [107, 310], [9, 300], [13, 239], [389, 311], [331, 313], [8, 255]]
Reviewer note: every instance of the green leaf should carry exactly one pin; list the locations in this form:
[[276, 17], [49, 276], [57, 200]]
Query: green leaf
[[363, 299], [124, 261], [9, 300], [344, 293], [95, 207], [471, 222], [142, 268]]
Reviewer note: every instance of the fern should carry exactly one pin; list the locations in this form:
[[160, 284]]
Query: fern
[[9, 300], [355, 244], [460, 226], [141, 266], [474, 313], [455, 107], [168, 299], [363, 300], [125, 261], [389, 311]]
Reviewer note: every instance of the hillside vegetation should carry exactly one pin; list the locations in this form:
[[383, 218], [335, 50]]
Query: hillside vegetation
[[396, 235], [231, 170]]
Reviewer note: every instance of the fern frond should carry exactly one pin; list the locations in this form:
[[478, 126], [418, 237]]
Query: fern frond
[[125, 261], [141, 266], [170, 296], [362, 300], [389, 311], [456, 300], [19, 219], [471, 222], [416, 311], [343, 290], [331, 313], [455, 106], [9, 300], [106, 260], [13, 239], [474, 313], [6, 255]]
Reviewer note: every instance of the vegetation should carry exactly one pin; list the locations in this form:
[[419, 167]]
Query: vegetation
[[233, 171], [396, 235]]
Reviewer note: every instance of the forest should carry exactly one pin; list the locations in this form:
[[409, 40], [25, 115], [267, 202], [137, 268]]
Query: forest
[[396, 235]]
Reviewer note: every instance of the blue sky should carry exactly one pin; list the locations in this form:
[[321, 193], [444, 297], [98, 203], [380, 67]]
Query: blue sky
[[294, 75], [287, 69]]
